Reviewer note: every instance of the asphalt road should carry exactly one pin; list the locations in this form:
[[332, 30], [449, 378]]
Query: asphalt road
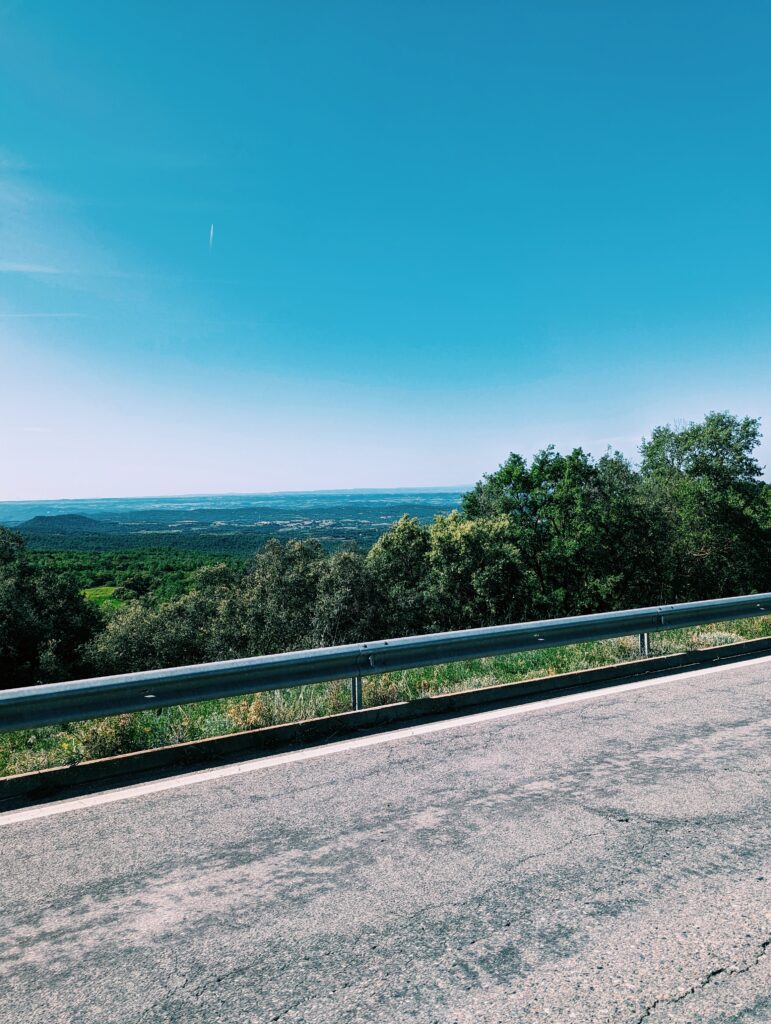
[[600, 860]]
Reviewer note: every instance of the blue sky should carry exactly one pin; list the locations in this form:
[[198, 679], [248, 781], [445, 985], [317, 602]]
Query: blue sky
[[442, 232]]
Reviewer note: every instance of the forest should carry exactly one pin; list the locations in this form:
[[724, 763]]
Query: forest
[[555, 535]]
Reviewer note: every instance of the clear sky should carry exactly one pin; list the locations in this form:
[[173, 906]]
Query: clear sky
[[442, 231]]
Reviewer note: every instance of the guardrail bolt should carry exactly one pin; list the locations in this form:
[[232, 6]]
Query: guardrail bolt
[[356, 695]]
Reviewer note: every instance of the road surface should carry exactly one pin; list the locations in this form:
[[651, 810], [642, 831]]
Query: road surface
[[599, 859]]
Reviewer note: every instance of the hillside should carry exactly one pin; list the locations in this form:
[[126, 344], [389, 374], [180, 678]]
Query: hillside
[[61, 523]]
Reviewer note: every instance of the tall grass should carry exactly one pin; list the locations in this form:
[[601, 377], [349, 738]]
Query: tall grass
[[33, 749]]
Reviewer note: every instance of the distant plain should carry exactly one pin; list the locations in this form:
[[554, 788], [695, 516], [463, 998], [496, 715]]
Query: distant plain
[[220, 523]]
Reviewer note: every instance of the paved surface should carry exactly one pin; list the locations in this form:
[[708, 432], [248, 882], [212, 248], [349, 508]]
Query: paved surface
[[605, 860]]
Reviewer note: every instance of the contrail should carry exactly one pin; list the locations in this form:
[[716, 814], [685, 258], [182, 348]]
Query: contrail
[[211, 236]]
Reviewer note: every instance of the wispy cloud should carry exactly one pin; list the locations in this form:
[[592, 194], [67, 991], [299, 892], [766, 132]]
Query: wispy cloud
[[39, 237], [9, 267], [55, 268], [38, 316]]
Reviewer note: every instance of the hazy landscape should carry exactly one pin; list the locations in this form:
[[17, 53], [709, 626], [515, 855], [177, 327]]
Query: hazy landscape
[[104, 586], [220, 523]]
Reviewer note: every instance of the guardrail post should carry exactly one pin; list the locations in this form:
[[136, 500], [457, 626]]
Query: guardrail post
[[356, 696], [645, 648]]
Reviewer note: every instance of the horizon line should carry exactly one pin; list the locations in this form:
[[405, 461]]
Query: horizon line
[[442, 488]]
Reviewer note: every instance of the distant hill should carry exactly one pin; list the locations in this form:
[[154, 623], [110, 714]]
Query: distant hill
[[65, 523]]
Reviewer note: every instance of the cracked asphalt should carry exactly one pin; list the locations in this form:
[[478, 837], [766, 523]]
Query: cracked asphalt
[[600, 861]]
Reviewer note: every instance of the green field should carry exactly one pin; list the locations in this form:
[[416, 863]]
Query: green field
[[102, 596], [33, 749]]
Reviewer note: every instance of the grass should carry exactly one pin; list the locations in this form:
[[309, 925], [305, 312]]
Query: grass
[[102, 596], [33, 749]]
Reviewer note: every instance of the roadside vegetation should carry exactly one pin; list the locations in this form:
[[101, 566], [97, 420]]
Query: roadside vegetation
[[34, 749], [560, 535]]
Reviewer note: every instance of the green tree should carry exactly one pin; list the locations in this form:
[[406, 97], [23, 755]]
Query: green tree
[[399, 566], [344, 609], [580, 526], [720, 451], [292, 596], [706, 481], [278, 596], [205, 624], [45, 622], [475, 572]]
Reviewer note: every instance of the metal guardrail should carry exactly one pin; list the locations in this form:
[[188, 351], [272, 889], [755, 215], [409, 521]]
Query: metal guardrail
[[34, 706]]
